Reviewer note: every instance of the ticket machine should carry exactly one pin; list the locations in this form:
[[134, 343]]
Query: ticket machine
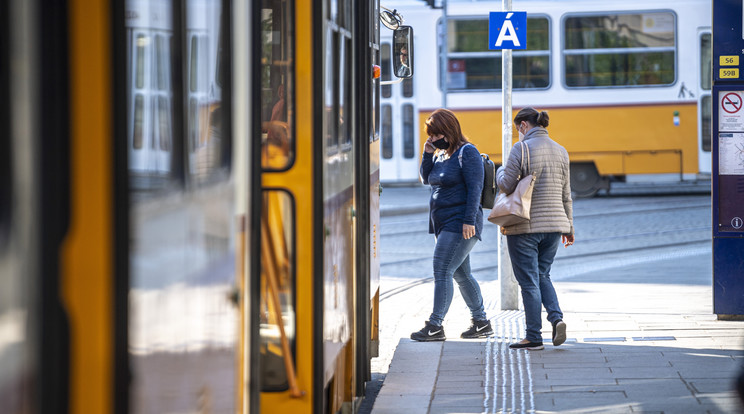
[[728, 159]]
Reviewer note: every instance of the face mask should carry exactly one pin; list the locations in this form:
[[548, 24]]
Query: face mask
[[441, 144], [521, 136]]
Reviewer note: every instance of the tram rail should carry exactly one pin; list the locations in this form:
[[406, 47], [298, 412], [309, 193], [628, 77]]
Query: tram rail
[[624, 209]]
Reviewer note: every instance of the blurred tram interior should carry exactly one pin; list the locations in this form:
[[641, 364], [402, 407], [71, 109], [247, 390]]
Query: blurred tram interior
[[189, 205]]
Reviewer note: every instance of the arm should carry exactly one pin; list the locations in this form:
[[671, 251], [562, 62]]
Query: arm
[[508, 176], [427, 163], [472, 172], [568, 239]]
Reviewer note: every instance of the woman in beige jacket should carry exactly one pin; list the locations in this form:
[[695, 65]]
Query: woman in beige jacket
[[533, 244]]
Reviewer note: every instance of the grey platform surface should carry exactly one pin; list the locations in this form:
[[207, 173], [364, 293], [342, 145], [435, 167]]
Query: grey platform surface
[[642, 338]]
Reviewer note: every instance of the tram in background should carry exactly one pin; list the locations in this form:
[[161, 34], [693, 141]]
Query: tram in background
[[627, 85], [189, 205]]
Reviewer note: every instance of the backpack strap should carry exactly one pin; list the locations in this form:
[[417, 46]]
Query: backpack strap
[[459, 156]]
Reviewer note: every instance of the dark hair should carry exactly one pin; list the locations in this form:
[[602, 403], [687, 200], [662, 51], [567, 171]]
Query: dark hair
[[530, 115], [444, 122]]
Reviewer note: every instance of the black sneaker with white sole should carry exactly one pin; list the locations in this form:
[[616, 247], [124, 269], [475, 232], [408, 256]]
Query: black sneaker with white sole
[[559, 332], [479, 329], [429, 333], [525, 344]]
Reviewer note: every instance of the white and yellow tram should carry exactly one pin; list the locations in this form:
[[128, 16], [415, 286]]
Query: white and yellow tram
[[627, 85]]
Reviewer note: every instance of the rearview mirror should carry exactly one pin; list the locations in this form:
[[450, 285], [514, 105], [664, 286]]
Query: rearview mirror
[[403, 52]]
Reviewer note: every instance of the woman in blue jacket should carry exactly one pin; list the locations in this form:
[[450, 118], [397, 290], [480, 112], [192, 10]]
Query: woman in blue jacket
[[454, 169]]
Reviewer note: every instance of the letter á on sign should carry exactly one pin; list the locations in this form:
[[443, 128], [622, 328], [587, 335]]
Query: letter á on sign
[[507, 33]]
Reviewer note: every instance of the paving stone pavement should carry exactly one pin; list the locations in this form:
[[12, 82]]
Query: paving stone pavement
[[632, 347]]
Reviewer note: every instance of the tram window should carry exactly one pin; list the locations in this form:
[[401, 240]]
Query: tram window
[[386, 67], [164, 123], [277, 84], [331, 93], [219, 75], [343, 18], [277, 307], [408, 136], [207, 152], [141, 44], [193, 117], [706, 61], [345, 93], [150, 108], [407, 86], [472, 66], [139, 109], [342, 90], [387, 131], [155, 129], [705, 124], [623, 49], [194, 65], [375, 107], [161, 66], [6, 179]]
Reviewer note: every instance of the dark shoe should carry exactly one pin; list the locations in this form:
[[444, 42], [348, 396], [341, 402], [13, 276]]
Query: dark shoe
[[429, 333], [559, 332], [532, 346], [479, 329]]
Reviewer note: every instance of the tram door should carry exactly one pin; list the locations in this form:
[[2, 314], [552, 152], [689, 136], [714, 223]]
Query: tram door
[[399, 155], [704, 102]]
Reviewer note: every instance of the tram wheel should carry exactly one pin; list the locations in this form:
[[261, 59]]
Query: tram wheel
[[585, 180]]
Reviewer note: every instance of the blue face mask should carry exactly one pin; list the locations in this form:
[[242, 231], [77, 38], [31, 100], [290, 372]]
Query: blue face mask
[[441, 144]]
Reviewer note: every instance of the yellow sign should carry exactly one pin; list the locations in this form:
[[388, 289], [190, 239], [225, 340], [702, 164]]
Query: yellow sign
[[731, 73], [729, 61]]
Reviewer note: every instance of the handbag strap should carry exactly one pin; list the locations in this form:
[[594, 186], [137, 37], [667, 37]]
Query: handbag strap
[[521, 166]]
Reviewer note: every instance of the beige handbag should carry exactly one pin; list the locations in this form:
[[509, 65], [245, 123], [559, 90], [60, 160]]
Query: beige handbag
[[514, 208]]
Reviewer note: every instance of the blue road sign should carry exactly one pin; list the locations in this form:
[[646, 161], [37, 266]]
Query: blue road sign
[[507, 30]]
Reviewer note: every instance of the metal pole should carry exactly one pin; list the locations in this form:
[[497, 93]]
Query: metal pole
[[507, 283], [443, 53]]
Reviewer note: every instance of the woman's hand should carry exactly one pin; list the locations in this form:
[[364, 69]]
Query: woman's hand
[[428, 146], [468, 231], [567, 239]]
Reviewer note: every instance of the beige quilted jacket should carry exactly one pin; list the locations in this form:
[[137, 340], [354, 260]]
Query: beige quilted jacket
[[552, 207]]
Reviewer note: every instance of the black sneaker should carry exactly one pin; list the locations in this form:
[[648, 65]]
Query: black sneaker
[[559, 332], [532, 346], [429, 333], [479, 329]]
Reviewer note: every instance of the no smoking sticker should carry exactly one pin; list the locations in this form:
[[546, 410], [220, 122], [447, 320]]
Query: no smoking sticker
[[730, 112], [731, 103]]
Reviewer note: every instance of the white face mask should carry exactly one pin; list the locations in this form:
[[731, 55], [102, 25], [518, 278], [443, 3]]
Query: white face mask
[[521, 135]]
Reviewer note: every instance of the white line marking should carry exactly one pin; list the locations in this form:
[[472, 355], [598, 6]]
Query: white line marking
[[508, 371]]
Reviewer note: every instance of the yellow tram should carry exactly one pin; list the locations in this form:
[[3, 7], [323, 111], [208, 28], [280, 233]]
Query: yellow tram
[[189, 205]]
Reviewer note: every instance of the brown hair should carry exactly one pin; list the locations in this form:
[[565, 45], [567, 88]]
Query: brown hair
[[444, 122], [533, 117]]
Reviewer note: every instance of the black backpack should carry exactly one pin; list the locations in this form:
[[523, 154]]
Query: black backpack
[[489, 179]]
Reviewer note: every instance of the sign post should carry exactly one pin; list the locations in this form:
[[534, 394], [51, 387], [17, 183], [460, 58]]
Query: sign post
[[507, 30], [728, 159]]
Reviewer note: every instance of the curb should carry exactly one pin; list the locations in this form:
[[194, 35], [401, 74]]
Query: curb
[[388, 211]]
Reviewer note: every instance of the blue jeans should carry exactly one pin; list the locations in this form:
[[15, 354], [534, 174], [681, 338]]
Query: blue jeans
[[531, 256], [452, 260]]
